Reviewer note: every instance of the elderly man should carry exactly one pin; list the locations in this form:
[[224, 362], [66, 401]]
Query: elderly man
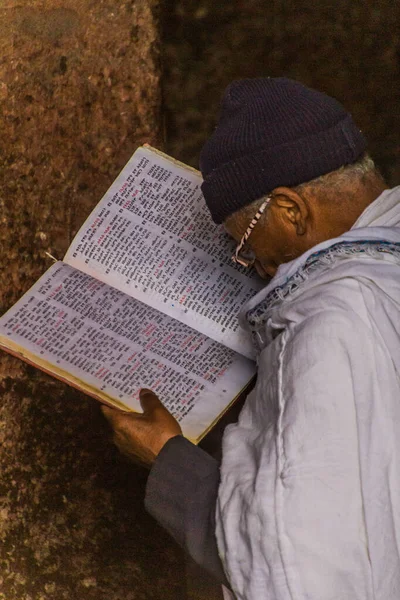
[[306, 502]]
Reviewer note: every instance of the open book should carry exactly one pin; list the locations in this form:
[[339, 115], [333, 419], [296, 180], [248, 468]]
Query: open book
[[146, 296]]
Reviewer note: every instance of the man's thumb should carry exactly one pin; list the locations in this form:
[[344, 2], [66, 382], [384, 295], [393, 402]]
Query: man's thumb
[[149, 401]]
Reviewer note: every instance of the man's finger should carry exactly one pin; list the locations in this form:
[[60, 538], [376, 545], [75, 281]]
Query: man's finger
[[108, 412], [113, 414], [149, 401]]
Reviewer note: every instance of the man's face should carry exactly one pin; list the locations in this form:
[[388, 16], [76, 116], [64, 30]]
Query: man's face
[[259, 244], [275, 238]]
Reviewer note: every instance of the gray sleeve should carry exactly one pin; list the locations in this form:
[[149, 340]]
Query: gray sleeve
[[181, 494]]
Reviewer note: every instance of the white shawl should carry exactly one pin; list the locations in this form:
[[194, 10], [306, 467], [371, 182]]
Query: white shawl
[[309, 501]]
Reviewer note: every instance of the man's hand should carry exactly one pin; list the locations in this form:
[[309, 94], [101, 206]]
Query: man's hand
[[140, 437]]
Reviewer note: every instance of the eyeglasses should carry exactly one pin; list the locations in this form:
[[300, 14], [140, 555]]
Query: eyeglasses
[[244, 257]]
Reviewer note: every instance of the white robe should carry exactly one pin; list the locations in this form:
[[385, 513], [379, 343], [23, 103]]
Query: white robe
[[309, 500]]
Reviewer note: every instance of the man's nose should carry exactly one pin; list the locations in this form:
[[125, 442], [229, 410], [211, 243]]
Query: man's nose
[[265, 271]]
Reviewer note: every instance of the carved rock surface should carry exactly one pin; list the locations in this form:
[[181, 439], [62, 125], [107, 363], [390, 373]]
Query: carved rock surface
[[79, 91], [343, 48]]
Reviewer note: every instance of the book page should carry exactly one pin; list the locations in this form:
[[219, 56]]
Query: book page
[[117, 345], [152, 237]]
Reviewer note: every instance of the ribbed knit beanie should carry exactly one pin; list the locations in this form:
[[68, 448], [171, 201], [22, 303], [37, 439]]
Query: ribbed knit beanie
[[273, 132]]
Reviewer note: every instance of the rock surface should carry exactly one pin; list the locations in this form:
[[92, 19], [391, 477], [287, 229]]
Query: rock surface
[[79, 91], [348, 49]]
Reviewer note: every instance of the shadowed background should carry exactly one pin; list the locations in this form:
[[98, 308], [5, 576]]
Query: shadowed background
[[81, 86], [349, 49]]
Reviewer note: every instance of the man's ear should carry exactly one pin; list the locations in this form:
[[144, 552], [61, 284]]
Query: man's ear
[[293, 206]]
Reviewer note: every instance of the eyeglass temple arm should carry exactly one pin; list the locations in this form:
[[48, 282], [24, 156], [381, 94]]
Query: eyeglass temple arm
[[253, 223]]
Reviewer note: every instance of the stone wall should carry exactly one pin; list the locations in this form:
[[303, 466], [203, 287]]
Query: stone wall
[[347, 48], [79, 91]]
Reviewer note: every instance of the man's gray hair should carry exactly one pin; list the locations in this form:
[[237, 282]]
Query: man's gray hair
[[358, 171], [334, 184]]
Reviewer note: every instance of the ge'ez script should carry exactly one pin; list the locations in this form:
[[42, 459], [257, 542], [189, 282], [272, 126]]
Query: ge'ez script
[[146, 297]]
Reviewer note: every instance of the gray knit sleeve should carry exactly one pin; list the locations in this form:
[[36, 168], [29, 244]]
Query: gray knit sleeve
[[181, 494]]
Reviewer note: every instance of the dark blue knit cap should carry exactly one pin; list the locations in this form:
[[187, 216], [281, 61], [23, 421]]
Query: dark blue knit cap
[[272, 132]]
